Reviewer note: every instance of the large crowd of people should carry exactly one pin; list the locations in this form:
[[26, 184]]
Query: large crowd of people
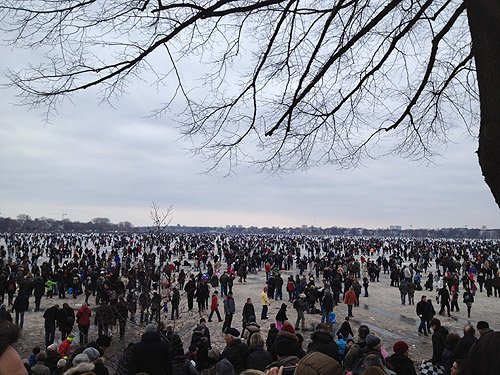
[[149, 283]]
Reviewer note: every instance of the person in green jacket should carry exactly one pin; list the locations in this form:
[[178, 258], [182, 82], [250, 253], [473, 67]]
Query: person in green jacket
[[50, 288]]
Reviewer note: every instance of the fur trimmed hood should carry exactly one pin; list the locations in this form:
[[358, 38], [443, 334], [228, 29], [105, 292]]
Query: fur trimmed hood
[[82, 368]]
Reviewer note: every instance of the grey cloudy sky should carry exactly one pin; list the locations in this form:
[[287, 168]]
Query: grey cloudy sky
[[98, 161]]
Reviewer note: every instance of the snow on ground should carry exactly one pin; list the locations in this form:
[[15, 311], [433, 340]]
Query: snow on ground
[[381, 311]]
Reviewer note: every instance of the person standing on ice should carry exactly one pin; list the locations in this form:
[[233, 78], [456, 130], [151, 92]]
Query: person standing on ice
[[350, 300], [229, 310]]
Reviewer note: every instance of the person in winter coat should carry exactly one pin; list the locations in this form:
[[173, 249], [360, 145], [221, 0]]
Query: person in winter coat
[[287, 343], [444, 296], [201, 294], [98, 361], [83, 321], [342, 346], [214, 307], [236, 351], [151, 355], [40, 368], [176, 300], [258, 358], [65, 347], [484, 358], [411, 292], [104, 319], [290, 288], [424, 313], [271, 337], [355, 351], [250, 329], [20, 306], [53, 357], [399, 361], [350, 300], [449, 349], [81, 365], [202, 359], [432, 314], [50, 315], [465, 343], [264, 298], [300, 306], [281, 316], [248, 312], [345, 329], [11, 289], [229, 310], [468, 300], [438, 339], [322, 341], [66, 320], [357, 290], [120, 312], [145, 304], [326, 306], [38, 290], [403, 290]]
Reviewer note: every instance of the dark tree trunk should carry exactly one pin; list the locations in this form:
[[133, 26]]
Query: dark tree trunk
[[484, 23]]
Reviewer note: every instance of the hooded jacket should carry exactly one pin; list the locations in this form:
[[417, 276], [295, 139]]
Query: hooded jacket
[[258, 358], [438, 338], [151, 355], [281, 315], [81, 368], [236, 352], [323, 342], [287, 344]]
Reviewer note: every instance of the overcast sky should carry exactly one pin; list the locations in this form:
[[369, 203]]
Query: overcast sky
[[98, 161]]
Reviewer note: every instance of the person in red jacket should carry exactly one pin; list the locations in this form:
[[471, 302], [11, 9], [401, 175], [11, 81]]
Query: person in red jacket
[[214, 307], [350, 299], [83, 320], [65, 348]]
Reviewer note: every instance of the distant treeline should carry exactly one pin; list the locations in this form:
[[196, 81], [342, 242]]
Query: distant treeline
[[24, 223]]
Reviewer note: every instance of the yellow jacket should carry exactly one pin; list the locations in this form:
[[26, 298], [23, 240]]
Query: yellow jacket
[[264, 298]]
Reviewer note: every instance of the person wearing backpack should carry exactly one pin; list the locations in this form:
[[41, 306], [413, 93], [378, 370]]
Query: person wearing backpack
[[468, 300]]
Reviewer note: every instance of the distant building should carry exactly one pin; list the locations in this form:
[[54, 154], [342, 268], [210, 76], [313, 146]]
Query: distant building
[[395, 227]]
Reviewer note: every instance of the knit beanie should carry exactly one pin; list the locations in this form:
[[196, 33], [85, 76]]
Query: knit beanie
[[92, 353], [288, 328], [400, 347], [80, 358]]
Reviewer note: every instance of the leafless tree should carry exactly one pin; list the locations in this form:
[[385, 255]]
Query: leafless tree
[[286, 83], [160, 219]]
